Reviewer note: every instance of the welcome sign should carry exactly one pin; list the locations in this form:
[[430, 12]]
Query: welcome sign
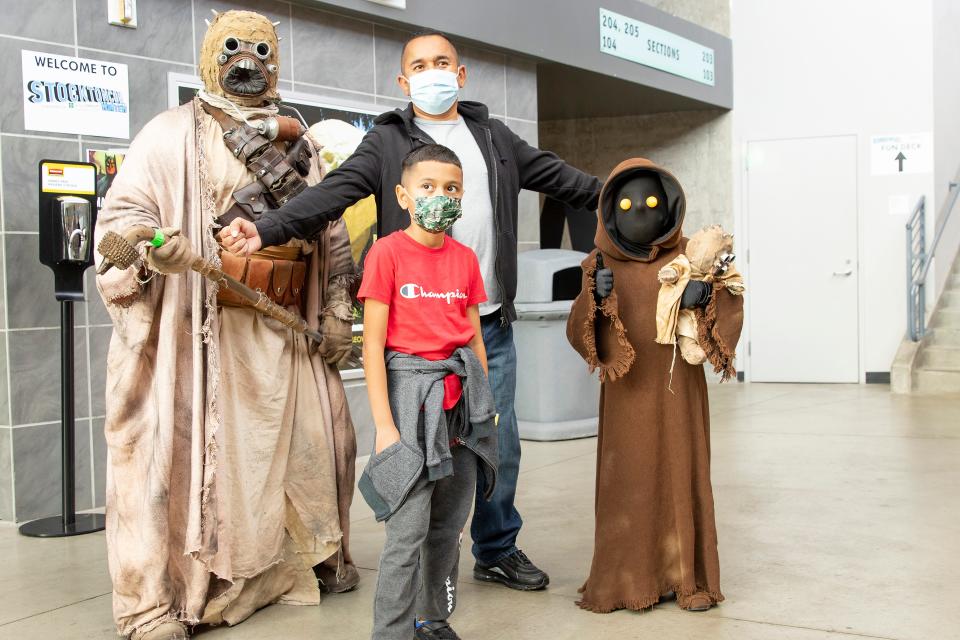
[[63, 94]]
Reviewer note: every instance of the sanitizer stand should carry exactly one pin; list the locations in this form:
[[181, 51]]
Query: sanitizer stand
[[68, 212]]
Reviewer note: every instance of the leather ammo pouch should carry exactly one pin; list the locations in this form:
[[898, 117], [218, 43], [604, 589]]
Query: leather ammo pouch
[[249, 203], [281, 280], [279, 175]]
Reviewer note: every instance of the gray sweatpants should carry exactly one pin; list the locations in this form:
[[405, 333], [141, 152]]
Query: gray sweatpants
[[419, 562]]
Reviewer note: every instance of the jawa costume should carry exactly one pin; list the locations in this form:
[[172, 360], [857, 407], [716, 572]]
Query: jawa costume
[[231, 450], [655, 529]]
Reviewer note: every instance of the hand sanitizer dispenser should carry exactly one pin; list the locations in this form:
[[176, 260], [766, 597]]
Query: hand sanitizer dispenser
[[68, 213], [76, 218]]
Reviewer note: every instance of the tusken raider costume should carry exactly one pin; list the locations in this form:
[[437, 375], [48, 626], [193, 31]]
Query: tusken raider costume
[[655, 530], [230, 447]]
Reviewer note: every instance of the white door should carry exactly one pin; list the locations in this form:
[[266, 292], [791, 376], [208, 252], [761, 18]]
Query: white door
[[802, 287]]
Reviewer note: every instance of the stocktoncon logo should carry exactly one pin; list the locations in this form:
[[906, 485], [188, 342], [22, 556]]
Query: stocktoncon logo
[[66, 89], [412, 291], [73, 94]]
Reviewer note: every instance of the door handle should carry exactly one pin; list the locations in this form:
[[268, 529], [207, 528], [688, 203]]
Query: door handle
[[843, 273]]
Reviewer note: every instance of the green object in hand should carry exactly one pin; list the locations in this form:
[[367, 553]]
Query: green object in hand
[[158, 238]]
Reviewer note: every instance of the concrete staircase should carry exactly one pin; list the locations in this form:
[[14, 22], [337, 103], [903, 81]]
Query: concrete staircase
[[933, 364]]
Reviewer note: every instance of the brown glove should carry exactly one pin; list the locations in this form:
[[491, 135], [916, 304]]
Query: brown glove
[[336, 323], [337, 342], [175, 256]]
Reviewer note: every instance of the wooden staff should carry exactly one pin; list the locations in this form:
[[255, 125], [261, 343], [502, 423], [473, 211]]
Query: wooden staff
[[121, 251]]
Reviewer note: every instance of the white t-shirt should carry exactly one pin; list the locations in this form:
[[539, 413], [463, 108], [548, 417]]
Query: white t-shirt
[[476, 228]]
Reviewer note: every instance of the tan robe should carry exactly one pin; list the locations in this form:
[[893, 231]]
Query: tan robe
[[230, 447], [655, 529]]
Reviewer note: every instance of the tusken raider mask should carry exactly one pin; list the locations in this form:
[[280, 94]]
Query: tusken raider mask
[[240, 58]]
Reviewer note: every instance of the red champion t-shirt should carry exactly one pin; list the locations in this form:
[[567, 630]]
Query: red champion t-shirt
[[428, 291]]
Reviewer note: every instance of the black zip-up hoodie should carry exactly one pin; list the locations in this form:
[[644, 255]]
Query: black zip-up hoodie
[[374, 168]]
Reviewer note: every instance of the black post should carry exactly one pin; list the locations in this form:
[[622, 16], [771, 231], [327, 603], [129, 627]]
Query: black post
[[67, 421], [68, 523]]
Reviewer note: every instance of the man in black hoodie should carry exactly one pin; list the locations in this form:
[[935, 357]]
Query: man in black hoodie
[[497, 164]]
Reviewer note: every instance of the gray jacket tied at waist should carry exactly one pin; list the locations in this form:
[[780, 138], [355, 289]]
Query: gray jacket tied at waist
[[414, 383]]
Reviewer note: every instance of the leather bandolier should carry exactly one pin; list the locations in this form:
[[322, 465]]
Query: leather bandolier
[[277, 272]]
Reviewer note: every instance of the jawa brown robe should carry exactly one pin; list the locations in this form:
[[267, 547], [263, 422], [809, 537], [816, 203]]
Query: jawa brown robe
[[221, 494], [655, 529]]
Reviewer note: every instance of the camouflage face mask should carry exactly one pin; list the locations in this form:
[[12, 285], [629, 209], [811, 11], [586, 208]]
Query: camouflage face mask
[[436, 213]]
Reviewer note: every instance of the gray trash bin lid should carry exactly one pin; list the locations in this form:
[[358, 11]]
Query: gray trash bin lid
[[558, 310], [535, 270]]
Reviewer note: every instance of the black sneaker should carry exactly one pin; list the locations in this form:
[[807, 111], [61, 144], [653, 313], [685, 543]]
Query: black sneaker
[[435, 631], [515, 571]]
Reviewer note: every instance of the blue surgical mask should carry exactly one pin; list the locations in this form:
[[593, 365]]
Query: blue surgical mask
[[434, 91]]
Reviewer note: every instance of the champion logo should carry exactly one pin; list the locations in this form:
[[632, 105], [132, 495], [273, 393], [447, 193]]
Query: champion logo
[[450, 599], [413, 291]]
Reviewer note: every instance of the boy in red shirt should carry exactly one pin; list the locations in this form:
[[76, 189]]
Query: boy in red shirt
[[425, 365]]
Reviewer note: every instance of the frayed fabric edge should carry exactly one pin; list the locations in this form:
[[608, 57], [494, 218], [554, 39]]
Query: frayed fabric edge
[[279, 558], [719, 354], [610, 308], [282, 557], [346, 281], [125, 297], [640, 604], [626, 355], [212, 369]]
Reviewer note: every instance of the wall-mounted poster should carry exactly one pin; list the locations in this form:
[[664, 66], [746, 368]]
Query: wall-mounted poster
[[64, 94], [339, 129], [108, 163]]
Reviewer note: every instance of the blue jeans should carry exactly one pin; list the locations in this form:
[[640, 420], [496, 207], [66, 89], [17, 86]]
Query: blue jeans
[[496, 523]]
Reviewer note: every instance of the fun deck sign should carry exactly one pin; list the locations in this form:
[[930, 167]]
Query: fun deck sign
[[63, 94]]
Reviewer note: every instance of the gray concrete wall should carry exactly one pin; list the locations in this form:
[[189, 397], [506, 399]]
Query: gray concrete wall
[[694, 145], [710, 14], [323, 54], [565, 32]]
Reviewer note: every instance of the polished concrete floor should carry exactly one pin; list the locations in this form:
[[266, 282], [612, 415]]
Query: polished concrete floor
[[838, 512]]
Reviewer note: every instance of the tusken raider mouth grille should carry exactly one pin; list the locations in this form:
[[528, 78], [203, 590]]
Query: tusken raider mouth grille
[[244, 77]]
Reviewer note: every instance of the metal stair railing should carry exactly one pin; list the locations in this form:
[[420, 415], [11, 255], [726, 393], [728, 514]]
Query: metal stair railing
[[916, 255], [919, 259]]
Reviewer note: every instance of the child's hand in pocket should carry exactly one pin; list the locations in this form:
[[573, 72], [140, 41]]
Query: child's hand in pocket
[[386, 436]]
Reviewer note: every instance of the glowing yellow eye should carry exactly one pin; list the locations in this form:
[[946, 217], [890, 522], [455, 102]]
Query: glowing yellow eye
[[652, 202], [625, 204]]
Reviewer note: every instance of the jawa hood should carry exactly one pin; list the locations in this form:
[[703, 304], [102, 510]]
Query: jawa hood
[[606, 238]]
